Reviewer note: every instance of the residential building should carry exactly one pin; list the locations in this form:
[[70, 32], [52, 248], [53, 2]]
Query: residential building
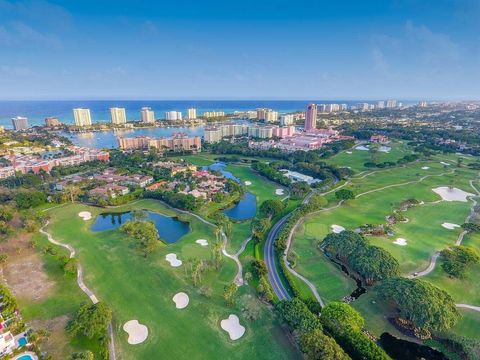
[[286, 120], [147, 115], [7, 343], [82, 117], [213, 114], [173, 115], [176, 142], [118, 116], [20, 123], [380, 104], [311, 117], [422, 104], [380, 139], [283, 132], [261, 132], [391, 104], [52, 122], [212, 134], [191, 114]]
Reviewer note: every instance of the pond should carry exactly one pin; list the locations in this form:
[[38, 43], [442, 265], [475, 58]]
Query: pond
[[219, 166], [245, 209], [169, 228], [402, 349]]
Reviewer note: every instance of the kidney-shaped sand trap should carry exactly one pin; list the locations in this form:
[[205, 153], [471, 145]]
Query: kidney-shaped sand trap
[[337, 229], [348, 152], [425, 167], [361, 148], [172, 259], [181, 300], [137, 333], [452, 194], [450, 226], [279, 192], [248, 183], [401, 242], [233, 327], [202, 242], [85, 215]]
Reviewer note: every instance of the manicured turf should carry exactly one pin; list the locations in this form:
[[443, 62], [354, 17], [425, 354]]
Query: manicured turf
[[423, 232], [139, 288]]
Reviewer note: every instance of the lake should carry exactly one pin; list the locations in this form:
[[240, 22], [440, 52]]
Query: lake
[[219, 166], [245, 209], [169, 228]]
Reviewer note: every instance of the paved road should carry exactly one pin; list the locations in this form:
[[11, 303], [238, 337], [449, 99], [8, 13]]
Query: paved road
[[269, 257]]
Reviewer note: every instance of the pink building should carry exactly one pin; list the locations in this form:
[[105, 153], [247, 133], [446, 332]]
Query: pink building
[[311, 117], [283, 132]]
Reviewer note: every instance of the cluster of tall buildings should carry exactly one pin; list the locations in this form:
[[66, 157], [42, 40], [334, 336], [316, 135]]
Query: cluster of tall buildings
[[177, 142], [267, 115]]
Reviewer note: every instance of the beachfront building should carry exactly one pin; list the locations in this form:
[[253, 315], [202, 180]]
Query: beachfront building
[[191, 114], [267, 115], [213, 114], [391, 104], [20, 123], [147, 115], [82, 117], [52, 122], [173, 115], [311, 117], [118, 116]]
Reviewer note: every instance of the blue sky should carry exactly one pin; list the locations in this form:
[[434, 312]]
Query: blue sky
[[232, 49]]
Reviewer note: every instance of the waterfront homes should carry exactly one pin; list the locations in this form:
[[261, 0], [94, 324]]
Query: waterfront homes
[[36, 163], [177, 142], [215, 134], [109, 191]]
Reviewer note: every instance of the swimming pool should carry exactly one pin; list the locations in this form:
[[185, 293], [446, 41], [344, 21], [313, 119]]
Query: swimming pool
[[22, 342], [25, 357]]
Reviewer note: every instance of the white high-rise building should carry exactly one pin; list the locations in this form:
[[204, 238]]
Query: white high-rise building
[[19, 123], [271, 116], [118, 116], [391, 104], [191, 114], [82, 117], [147, 115], [173, 115], [286, 120], [380, 104]]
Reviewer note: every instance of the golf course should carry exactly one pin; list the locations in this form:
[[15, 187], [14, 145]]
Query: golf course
[[443, 191]]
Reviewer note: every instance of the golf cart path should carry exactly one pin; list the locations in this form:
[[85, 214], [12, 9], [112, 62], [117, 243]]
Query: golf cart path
[[290, 237], [81, 284]]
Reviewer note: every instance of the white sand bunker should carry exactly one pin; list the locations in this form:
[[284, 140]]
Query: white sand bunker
[[248, 183], [445, 163], [181, 300], [425, 167], [279, 192], [85, 215], [452, 194], [400, 241], [172, 259], [361, 148], [348, 152], [233, 327], [137, 333], [385, 149], [202, 242], [450, 226], [337, 229]]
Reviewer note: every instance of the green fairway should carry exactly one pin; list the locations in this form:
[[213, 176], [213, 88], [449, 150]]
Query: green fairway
[[139, 288]]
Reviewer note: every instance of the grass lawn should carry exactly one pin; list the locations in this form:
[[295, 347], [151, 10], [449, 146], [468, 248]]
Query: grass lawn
[[139, 288], [357, 158]]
